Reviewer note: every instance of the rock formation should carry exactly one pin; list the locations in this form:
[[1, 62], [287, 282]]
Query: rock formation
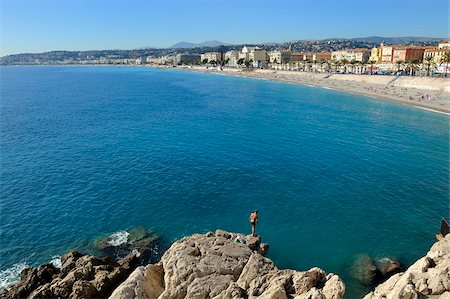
[[428, 277], [80, 276], [225, 265]]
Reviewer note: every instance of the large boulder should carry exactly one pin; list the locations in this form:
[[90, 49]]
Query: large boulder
[[145, 282], [225, 265]]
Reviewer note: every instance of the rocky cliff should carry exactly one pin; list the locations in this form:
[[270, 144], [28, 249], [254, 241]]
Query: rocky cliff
[[225, 265], [428, 277]]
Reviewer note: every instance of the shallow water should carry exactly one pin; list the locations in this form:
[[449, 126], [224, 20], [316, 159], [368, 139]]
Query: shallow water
[[87, 151]]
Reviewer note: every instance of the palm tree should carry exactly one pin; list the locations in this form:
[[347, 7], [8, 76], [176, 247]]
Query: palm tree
[[399, 65], [322, 63], [428, 61], [353, 63], [343, 63], [412, 66], [371, 62], [240, 61], [445, 59], [362, 64], [335, 64]]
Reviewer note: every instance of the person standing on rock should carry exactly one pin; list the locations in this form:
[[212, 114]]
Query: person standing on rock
[[253, 220]]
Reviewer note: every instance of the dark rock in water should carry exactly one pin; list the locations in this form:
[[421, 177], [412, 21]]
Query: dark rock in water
[[388, 267], [365, 270], [137, 233], [371, 273], [81, 276], [143, 242]]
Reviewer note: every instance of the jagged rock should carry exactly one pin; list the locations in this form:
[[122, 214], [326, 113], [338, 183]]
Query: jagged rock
[[389, 267], [145, 282], [216, 266], [253, 242], [83, 289], [263, 249], [333, 288], [30, 280], [428, 277], [256, 265], [81, 276], [68, 261]]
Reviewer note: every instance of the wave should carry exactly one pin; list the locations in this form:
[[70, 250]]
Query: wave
[[118, 238], [56, 261], [11, 275]]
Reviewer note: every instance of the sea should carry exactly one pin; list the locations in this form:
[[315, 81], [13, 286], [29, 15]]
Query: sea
[[88, 151]]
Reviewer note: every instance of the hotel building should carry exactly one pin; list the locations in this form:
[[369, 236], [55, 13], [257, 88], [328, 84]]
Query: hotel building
[[211, 56], [358, 55], [407, 53]]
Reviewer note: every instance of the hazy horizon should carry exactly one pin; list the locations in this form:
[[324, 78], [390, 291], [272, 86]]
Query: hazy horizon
[[79, 25]]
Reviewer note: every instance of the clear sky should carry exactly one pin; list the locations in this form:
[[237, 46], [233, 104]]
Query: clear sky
[[45, 25]]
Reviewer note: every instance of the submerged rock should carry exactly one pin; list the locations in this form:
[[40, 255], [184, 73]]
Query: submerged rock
[[365, 270], [224, 265], [388, 267], [428, 277], [145, 243], [369, 272]]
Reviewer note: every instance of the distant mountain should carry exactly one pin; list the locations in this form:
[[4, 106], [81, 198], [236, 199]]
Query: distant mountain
[[187, 45], [397, 40]]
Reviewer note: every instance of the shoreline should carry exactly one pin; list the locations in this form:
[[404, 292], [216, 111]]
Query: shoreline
[[412, 97], [385, 90]]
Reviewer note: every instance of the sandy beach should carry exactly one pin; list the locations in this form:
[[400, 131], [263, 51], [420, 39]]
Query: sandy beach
[[427, 93]]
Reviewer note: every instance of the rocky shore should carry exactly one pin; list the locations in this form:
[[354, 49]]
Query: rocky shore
[[80, 276], [428, 277], [225, 265], [221, 265]]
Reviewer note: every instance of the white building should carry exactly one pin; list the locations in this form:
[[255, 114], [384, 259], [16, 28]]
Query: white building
[[280, 57], [232, 57], [256, 55], [211, 56]]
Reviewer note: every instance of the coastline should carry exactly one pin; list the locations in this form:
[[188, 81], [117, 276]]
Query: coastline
[[435, 99], [381, 87]]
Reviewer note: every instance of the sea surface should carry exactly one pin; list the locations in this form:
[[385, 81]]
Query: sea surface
[[89, 151]]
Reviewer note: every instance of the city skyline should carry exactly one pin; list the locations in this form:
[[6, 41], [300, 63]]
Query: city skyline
[[94, 25]]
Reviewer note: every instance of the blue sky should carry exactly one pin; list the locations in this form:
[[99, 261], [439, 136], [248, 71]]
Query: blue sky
[[44, 25]]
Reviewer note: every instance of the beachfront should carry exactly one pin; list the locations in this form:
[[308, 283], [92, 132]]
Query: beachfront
[[422, 92]]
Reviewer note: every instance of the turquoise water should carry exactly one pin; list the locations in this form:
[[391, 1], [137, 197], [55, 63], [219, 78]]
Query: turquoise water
[[87, 151]]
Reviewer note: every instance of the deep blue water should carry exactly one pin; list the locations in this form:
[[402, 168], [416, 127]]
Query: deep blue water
[[87, 151]]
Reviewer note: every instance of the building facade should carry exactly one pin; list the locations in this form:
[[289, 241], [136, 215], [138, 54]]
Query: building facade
[[187, 59], [407, 53], [280, 57], [321, 56], [375, 55], [387, 54], [437, 53], [211, 56], [357, 55], [231, 58]]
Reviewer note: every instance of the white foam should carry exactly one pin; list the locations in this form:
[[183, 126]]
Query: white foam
[[56, 261], [136, 252], [329, 88], [118, 238], [11, 275]]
